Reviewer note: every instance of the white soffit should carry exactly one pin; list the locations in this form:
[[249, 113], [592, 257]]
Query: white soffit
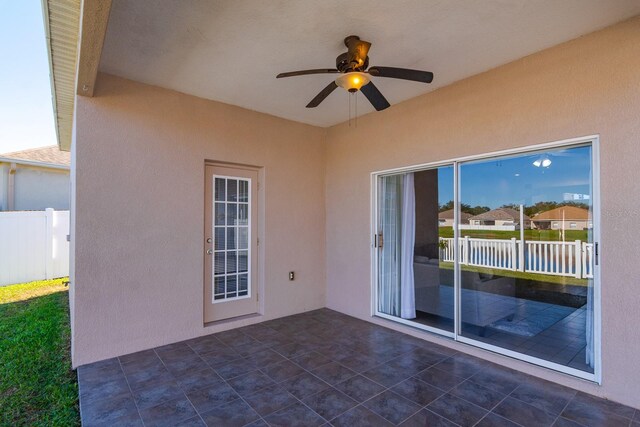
[[231, 50]]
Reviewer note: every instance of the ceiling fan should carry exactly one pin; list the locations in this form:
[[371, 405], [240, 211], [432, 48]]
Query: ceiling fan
[[352, 65]]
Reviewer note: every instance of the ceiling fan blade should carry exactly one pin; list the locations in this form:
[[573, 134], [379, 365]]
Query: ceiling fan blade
[[322, 95], [305, 72], [374, 96], [402, 73]]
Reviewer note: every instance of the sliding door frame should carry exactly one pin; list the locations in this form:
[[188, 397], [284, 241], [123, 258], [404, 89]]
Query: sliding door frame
[[594, 142]]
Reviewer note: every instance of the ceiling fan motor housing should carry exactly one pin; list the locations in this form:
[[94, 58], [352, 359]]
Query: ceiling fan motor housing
[[345, 64]]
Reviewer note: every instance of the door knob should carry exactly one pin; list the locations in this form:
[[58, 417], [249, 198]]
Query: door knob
[[209, 240], [209, 251]]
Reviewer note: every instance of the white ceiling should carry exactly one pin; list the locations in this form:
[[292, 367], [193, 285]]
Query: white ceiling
[[231, 50]]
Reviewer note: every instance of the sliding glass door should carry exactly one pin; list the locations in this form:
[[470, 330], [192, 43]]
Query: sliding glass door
[[413, 283], [518, 235]]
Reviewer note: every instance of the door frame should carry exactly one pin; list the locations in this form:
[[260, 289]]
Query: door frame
[[259, 286], [594, 141]]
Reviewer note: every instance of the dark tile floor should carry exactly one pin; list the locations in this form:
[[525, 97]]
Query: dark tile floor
[[324, 368]]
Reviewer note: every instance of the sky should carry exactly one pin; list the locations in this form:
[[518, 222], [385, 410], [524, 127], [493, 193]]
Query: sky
[[516, 180], [26, 111]]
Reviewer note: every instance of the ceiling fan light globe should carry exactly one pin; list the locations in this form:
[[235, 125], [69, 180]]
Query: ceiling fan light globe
[[352, 81]]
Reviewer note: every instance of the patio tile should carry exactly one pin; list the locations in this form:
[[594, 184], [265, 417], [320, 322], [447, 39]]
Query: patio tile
[[233, 414], [583, 413], [100, 372], [155, 394], [440, 379], [329, 403], [205, 344], [234, 369], [311, 360], [387, 375], [294, 415], [191, 362], [270, 399], [605, 405], [478, 395], [359, 362], [418, 391], [427, 418], [141, 357], [131, 419], [115, 387], [523, 413], [360, 388], [457, 410], [293, 350], [460, 366], [105, 411], [250, 383], [392, 406], [360, 417], [194, 380], [168, 413], [282, 370], [141, 378], [191, 422], [544, 395], [220, 356], [333, 373], [264, 358], [499, 379], [209, 398], [563, 422], [304, 385], [494, 420]]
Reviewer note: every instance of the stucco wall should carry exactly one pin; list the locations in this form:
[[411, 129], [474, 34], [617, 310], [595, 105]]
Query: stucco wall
[[36, 188], [587, 86], [140, 153]]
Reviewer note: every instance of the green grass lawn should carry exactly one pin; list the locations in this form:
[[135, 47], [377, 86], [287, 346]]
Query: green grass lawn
[[37, 385], [543, 235]]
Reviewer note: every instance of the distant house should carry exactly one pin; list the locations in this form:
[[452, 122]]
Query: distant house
[[501, 217], [574, 218], [445, 218], [35, 179]]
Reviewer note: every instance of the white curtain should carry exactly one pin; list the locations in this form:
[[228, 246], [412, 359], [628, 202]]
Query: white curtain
[[408, 238], [389, 260]]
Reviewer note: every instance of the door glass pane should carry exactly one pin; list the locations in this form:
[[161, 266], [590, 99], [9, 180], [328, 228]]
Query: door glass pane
[[243, 237], [229, 237], [526, 254], [232, 190], [415, 268], [220, 184], [243, 191], [219, 214], [219, 238]]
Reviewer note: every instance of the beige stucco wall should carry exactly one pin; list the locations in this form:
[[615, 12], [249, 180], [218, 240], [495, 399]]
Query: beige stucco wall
[[139, 186], [587, 86]]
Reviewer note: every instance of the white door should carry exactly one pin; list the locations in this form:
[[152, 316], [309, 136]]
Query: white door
[[230, 242]]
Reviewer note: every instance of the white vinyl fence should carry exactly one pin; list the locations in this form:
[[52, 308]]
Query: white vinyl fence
[[33, 246], [574, 259]]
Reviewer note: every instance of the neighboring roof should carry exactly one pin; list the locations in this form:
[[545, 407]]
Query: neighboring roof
[[61, 27], [50, 155], [448, 214], [500, 214], [570, 213]]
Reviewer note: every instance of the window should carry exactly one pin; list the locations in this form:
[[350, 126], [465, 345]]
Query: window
[[494, 278]]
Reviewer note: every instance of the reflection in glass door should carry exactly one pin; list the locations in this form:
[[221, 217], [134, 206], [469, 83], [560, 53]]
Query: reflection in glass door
[[519, 231], [527, 254]]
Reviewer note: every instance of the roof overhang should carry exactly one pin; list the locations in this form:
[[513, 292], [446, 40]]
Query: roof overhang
[[74, 47], [34, 164]]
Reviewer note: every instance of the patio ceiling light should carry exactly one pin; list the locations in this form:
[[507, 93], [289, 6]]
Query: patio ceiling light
[[352, 81]]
